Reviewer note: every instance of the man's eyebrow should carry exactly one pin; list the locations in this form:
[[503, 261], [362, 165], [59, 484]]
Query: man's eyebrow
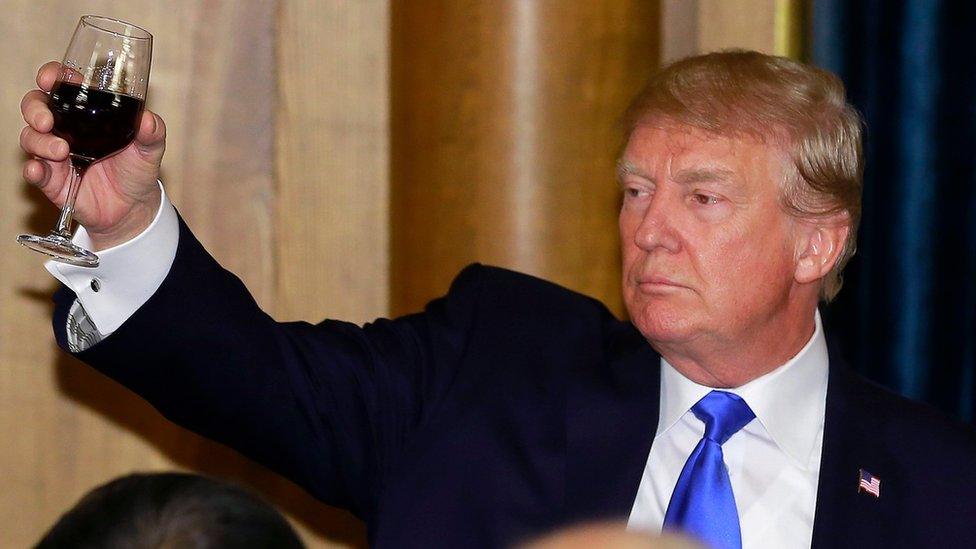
[[691, 176], [688, 176], [625, 168]]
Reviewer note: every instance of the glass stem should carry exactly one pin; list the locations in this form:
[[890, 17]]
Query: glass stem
[[68, 210]]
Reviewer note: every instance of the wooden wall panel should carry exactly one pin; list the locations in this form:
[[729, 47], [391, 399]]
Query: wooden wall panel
[[679, 29], [698, 26], [332, 159], [748, 24], [504, 138], [215, 80], [223, 124]]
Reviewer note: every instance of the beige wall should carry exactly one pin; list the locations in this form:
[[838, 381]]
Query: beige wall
[[300, 215]]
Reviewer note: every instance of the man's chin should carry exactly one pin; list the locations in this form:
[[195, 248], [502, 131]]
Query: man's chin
[[665, 325]]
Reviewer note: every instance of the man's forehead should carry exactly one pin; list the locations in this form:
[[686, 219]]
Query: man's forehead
[[680, 139], [678, 130], [690, 154]]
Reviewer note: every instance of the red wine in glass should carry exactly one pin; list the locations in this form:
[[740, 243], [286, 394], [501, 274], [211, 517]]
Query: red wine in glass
[[97, 104], [95, 123]]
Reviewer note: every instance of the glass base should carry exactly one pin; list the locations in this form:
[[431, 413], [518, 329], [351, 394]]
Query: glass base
[[60, 249]]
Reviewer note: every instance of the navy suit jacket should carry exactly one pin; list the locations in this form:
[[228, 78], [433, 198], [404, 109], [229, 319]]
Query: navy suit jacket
[[507, 408]]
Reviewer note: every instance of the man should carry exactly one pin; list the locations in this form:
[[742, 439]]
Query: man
[[512, 406]]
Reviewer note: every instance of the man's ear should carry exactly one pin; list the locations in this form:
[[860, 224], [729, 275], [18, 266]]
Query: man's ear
[[821, 241]]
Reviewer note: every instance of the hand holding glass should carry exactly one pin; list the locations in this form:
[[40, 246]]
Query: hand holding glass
[[97, 104]]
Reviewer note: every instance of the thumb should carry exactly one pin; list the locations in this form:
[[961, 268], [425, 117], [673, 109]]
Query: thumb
[[151, 137]]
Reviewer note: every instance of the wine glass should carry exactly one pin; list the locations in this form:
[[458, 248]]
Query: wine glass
[[97, 104]]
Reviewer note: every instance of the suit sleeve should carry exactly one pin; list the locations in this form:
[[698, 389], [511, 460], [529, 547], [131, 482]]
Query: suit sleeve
[[329, 405]]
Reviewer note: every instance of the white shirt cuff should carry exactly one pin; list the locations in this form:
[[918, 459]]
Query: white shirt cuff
[[127, 275]]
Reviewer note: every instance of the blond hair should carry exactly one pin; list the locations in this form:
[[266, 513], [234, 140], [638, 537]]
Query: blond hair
[[801, 108]]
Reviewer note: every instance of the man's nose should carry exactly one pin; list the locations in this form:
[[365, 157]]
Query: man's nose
[[657, 229]]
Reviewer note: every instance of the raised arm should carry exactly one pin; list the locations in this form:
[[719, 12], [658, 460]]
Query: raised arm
[[329, 405]]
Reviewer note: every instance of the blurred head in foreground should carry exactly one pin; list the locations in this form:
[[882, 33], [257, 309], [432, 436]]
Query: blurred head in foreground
[[170, 510], [609, 535]]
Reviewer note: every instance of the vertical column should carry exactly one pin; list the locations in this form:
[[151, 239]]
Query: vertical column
[[504, 138]]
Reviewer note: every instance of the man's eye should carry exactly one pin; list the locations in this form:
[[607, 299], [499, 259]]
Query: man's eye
[[705, 200], [632, 192]]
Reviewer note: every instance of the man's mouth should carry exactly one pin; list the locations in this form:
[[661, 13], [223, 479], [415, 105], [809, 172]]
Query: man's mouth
[[658, 283]]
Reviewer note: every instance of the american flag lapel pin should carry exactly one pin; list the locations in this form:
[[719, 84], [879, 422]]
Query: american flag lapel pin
[[869, 483]]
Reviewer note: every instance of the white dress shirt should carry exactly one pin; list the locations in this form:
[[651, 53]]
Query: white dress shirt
[[773, 462], [127, 275]]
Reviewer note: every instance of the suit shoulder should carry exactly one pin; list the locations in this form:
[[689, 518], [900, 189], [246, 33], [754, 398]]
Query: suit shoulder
[[929, 431], [520, 292]]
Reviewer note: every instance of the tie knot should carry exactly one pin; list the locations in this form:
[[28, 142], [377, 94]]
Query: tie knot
[[723, 413]]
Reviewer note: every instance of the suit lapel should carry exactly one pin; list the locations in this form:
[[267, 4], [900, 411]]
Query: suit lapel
[[844, 516], [611, 417]]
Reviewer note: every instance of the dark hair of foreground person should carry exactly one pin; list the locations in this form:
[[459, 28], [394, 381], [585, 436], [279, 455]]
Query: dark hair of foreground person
[[170, 510]]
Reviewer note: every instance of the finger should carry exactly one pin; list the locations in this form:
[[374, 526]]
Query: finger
[[37, 173], [47, 75], [43, 145], [152, 132], [36, 112]]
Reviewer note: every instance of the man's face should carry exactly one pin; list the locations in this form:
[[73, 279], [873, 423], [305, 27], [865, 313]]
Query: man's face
[[708, 252]]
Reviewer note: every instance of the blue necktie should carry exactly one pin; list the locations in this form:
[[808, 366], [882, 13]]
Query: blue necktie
[[702, 504]]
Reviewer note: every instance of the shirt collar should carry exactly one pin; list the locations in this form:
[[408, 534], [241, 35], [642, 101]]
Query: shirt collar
[[788, 401]]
